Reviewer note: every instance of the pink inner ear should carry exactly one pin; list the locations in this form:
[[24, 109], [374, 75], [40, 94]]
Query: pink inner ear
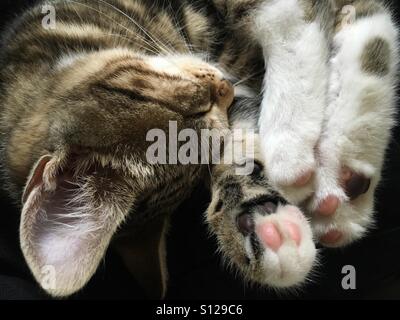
[[64, 223], [62, 228], [36, 177], [70, 226]]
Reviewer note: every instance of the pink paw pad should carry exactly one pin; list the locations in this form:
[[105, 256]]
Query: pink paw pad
[[304, 179], [293, 231], [328, 206], [271, 237], [332, 237]]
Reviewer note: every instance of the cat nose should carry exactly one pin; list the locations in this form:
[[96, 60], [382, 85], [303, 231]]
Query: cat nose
[[225, 93]]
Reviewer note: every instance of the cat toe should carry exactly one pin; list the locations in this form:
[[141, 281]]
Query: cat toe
[[288, 252], [328, 206], [343, 217], [290, 165]]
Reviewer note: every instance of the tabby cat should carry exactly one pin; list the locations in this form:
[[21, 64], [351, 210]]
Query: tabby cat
[[314, 79]]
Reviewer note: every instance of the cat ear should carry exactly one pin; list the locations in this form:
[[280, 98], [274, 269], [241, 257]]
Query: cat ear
[[68, 220]]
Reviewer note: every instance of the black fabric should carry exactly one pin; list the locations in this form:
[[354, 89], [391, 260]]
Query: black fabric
[[197, 272]]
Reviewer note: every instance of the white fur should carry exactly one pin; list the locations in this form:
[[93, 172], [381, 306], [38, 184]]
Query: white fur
[[312, 102], [68, 60], [242, 91], [291, 264], [295, 90], [181, 64], [355, 135]]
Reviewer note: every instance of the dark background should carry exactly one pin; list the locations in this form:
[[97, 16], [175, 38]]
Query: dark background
[[196, 271]]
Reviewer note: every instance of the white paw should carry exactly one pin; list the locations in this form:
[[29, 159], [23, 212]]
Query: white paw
[[282, 245], [279, 19], [342, 211], [290, 164]]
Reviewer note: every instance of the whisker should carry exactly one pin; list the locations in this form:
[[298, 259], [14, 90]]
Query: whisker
[[168, 45], [122, 26], [156, 46], [247, 78], [180, 28], [129, 40], [162, 45]]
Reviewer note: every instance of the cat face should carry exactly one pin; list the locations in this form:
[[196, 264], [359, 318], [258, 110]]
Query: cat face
[[92, 167], [107, 102]]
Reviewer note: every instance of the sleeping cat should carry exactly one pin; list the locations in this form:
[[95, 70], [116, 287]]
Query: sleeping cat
[[314, 79]]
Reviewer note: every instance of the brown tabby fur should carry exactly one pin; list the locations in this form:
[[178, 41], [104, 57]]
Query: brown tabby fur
[[90, 118]]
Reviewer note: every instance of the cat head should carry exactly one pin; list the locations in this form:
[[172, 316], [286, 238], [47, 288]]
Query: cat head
[[81, 152]]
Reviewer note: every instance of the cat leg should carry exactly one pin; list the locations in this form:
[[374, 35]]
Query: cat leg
[[358, 122], [294, 41], [269, 240]]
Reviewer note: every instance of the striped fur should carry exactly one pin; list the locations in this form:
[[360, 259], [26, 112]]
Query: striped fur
[[77, 101]]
